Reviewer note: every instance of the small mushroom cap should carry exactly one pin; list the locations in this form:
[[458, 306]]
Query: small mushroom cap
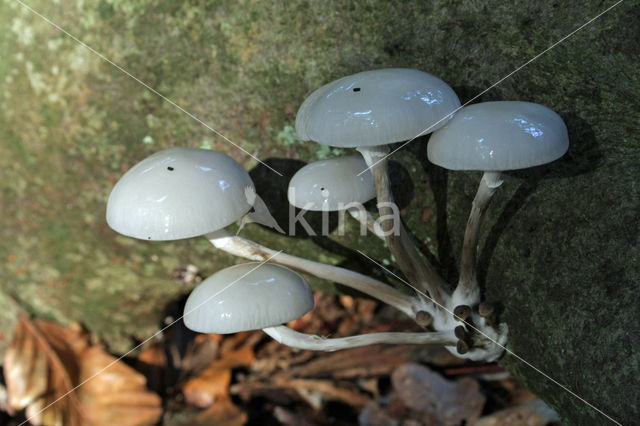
[[179, 193], [376, 108], [496, 136], [330, 185], [249, 296]]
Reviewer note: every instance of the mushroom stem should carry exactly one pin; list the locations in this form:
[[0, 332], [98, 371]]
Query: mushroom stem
[[365, 218], [312, 342], [415, 267], [247, 249], [468, 292]]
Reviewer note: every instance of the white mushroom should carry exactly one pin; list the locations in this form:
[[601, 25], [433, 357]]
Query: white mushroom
[[178, 193], [492, 137], [249, 296], [369, 110], [499, 136], [334, 185], [376, 108], [185, 192], [252, 296]]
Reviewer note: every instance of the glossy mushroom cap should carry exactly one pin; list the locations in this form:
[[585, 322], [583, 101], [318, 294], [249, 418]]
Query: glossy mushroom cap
[[179, 193], [496, 136], [249, 296], [330, 185], [376, 108]]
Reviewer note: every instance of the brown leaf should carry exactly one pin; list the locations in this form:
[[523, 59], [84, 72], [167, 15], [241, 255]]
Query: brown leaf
[[531, 413], [25, 370], [242, 357], [237, 340], [223, 412], [46, 361], [41, 370], [116, 393], [329, 391], [315, 392], [447, 402], [213, 382], [365, 362]]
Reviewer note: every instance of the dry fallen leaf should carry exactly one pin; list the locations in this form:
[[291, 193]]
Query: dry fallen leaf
[[223, 412], [40, 367], [116, 395], [438, 399], [422, 396], [531, 413], [326, 390], [46, 361], [204, 390], [213, 383], [314, 392]]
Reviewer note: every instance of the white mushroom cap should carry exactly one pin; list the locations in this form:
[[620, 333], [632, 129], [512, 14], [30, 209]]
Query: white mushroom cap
[[179, 193], [330, 185], [249, 296], [376, 108], [495, 136]]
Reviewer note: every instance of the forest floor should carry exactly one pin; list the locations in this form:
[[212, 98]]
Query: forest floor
[[183, 378]]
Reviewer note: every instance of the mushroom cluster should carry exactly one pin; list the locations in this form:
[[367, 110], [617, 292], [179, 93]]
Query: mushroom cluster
[[366, 111]]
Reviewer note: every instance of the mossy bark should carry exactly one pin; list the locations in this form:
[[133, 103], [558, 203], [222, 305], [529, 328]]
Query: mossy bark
[[559, 249]]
